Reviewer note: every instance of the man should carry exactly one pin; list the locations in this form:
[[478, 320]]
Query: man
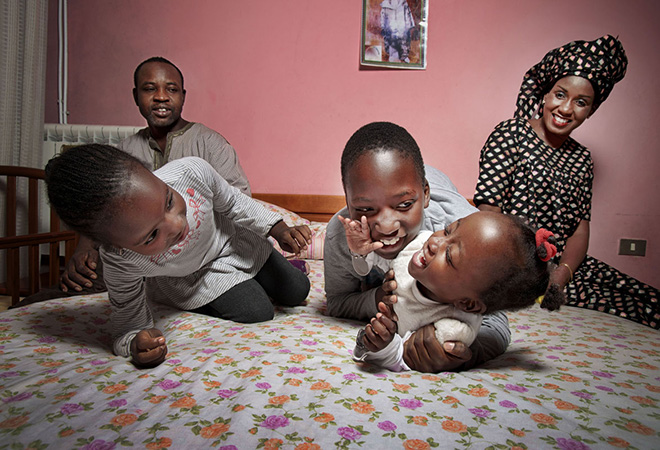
[[159, 94]]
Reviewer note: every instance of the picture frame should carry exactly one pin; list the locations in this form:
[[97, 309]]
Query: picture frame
[[394, 33]]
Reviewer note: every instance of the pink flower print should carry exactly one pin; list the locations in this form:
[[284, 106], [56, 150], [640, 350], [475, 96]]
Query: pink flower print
[[117, 403], [71, 408], [515, 387], [602, 374], [410, 403], [274, 422], [483, 413], [226, 393], [570, 444], [169, 384], [387, 426], [99, 444], [18, 398], [508, 404], [349, 433], [196, 206]]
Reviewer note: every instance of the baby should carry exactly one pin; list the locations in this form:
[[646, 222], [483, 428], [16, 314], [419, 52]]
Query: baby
[[483, 263]]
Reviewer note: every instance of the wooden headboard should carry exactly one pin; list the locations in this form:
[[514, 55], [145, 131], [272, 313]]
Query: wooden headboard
[[319, 208]]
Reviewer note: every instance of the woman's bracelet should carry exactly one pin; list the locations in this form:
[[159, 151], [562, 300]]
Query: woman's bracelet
[[570, 271]]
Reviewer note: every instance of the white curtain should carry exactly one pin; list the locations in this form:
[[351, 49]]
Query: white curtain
[[23, 31], [22, 80]]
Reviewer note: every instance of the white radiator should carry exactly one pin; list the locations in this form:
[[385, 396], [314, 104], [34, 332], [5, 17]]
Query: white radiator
[[57, 135]]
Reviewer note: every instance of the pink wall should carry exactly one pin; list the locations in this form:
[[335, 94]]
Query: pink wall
[[282, 81]]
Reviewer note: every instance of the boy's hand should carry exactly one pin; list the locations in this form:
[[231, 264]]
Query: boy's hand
[[148, 348], [422, 352], [380, 331], [358, 236], [291, 239]]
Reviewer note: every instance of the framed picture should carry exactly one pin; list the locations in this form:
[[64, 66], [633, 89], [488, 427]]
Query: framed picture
[[394, 33]]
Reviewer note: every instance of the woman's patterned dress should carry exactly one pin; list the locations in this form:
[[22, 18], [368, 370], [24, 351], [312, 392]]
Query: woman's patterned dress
[[522, 175]]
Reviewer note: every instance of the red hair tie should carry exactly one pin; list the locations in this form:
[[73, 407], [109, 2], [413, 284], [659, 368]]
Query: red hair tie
[[542, 236]]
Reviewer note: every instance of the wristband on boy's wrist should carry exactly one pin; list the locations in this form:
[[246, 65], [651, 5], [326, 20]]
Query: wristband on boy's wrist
[[360, 264], [360, 348]]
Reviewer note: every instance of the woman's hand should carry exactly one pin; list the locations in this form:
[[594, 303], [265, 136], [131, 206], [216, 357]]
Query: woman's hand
[[358, 236], [148, 348], [573, 255], [424, 353], [291, 239]]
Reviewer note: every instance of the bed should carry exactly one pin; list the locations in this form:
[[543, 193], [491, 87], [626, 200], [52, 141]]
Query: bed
[[573, 379]]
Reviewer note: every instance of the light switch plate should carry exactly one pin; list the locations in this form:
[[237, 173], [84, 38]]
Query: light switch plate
[[633, 247]]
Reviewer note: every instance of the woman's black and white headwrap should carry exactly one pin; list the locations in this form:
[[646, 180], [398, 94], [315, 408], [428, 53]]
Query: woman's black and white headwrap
[[603, 62]]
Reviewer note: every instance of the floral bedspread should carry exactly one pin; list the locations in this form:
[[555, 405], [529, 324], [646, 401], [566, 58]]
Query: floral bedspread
[[575, 379]]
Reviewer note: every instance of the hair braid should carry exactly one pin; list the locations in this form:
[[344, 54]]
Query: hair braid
[[527, 276], [84, 183]]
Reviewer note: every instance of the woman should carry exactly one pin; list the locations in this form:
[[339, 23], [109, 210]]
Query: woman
[[530, 166]]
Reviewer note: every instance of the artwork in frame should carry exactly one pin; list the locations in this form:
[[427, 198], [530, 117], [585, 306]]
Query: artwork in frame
[[394, 33]]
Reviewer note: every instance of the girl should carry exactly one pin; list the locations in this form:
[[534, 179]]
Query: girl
[[180, 236], [484, 263], [385, 180]]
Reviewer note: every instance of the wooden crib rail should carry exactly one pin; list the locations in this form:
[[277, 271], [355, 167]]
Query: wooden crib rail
[[12, 242]]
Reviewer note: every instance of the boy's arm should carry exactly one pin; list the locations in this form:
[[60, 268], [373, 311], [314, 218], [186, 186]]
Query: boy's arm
[[424, 353], [342, 284], [446, 205], [492, 340]]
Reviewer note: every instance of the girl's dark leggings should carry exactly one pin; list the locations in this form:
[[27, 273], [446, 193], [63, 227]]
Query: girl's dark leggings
[[250, 301]]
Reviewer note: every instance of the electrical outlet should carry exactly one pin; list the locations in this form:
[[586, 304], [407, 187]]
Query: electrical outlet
[[633, 247]]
